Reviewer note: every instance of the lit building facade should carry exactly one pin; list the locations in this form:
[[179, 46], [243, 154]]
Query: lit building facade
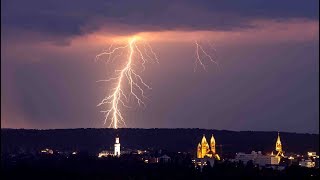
[[204, 150], [243, 157], [263, 160], [307, 163], [206, 153], [117, 147], [116, 150], [47, 151], [104, 154], [312, 154], [257, 158], [260, 159]]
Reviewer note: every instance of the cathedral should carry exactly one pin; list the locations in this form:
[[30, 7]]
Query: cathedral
[[205, 150]]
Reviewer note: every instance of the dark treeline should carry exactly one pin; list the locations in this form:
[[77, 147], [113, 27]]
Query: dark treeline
[[185, 140], [86, 167]]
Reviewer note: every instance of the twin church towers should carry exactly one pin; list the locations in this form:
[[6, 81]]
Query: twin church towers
[[205, 150]]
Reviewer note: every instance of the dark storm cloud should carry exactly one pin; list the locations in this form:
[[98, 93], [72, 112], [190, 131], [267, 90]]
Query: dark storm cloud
[[71, 18]]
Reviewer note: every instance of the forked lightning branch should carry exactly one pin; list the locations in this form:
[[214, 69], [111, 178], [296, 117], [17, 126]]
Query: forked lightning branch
[[127, 82]]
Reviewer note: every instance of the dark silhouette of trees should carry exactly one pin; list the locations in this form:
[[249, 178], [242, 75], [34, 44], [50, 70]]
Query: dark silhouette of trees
[[127, 167]]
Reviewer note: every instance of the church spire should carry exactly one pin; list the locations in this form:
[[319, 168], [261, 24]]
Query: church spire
[[204, 140], [204, 146], [278, 144], [213, 144], [279, 148], [199, 151]]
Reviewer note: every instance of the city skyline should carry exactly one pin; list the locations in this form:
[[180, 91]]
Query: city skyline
[[268, 52]]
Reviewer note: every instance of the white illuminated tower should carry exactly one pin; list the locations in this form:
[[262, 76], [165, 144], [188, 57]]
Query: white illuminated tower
[[117, 147]]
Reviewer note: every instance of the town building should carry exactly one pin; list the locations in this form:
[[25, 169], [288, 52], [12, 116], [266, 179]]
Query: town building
[[104, 154], [312, 154], [311, 162], [307, 163], [116, 150], [117, 147], [47, 151], [257, 158], [262, 160], [163, 159]]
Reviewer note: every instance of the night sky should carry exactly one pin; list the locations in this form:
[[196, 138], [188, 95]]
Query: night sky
[[267, 49]]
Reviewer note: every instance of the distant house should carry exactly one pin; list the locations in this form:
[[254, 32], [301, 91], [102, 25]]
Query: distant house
[[47, 151], [307, 163], [104, 154], [164, 159], [204, 162]]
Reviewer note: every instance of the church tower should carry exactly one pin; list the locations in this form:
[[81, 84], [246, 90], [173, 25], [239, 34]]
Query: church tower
[[278, 144], [117, 147], [279, 148], [213, 145], [199, 151], [207, 150], [204, 146]]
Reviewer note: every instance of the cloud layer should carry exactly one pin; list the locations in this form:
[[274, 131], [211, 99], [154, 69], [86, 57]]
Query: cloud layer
[[66, 19]]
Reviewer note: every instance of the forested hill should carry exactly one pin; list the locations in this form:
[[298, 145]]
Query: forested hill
[[184, 140]]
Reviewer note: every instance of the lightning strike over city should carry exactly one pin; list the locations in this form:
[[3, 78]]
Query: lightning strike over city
[[201, 55], [83, 95], [127, 82]]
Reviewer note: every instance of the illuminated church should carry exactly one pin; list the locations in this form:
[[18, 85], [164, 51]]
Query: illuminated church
[[205, 150], [279, 149]]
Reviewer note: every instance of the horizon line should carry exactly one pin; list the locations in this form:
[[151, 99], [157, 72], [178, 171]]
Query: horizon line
[[160, 128]]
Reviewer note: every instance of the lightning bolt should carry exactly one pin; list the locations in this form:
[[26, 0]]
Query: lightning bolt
[[201, 55], [120, 95]]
